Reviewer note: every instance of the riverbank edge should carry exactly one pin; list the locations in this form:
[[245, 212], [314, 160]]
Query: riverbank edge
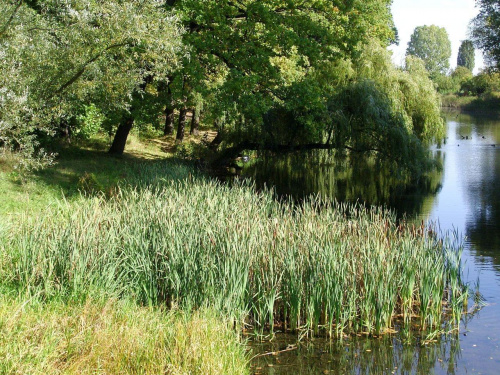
[[487, 104]]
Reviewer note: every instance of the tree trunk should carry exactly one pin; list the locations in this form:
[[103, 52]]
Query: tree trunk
[[121, 135], [169, 121], [181, 125], [214, 145], [169, 109], [66, 131], [195, 122]]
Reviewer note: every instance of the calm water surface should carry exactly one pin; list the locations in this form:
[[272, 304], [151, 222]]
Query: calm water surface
[[464, 196]]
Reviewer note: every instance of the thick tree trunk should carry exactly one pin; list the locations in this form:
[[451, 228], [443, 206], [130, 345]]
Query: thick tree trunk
[[127, 122], [181, 125], [214, 145], [195, 122], [121, 135], [169, 121]]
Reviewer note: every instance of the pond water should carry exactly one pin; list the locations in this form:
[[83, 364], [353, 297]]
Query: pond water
[[463, 196]]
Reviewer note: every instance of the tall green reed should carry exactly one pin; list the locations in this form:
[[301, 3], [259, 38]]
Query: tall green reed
[[322, 266]]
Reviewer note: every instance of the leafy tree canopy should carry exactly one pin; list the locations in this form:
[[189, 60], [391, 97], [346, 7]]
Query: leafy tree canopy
[[58, 55], [485, 30], [248, 54], [432, 45], [267, 72]]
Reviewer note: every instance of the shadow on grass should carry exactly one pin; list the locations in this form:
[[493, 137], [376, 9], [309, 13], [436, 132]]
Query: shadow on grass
[[86, 168], [80, 170]]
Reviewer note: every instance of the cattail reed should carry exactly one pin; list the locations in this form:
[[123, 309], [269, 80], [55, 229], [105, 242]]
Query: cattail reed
[[320, 267]]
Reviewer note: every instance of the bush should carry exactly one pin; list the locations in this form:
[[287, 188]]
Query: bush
[[445, 84], [482, 83], [89, 123]]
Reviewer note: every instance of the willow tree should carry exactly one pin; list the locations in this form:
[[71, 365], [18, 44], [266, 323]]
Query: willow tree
[[58, 54], [388, 112]]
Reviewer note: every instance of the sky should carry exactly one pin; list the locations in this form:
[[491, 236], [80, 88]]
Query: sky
[[453, 15]]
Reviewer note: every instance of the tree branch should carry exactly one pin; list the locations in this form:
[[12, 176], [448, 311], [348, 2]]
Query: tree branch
[[11, 18], [232, 152], [80, 72]]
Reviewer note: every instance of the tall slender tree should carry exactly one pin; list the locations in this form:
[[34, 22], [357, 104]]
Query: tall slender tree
[[466, 55]]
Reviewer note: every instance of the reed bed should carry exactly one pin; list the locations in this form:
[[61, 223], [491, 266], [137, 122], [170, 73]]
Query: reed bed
[[320, 267]]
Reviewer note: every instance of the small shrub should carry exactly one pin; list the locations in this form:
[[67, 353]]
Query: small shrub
[[89, 122]]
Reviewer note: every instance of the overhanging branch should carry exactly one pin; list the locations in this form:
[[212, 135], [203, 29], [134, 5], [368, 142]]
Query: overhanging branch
[[80, 72]]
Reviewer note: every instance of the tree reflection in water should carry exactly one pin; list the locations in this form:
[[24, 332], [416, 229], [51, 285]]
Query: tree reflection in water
[[345, 179], [386, 355]]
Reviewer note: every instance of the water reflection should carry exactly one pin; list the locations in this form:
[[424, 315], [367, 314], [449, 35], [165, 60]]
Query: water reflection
[[347, 180], [358, 356], [464, 196], [480, 158]]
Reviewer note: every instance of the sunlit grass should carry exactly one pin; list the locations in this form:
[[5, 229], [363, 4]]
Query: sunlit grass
[[114, 337]]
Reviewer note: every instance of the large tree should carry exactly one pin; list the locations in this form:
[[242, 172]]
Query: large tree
[[250, 56], [58, 55], [466, 55], [432, 45], [485, 30]]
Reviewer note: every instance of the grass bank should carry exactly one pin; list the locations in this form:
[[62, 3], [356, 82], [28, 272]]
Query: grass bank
[[486, 103], [98, 333], [113, 337]]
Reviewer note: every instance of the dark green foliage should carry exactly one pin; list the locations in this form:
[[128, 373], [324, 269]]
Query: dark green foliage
[[481, 84], [486, 30], [466, 55]]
